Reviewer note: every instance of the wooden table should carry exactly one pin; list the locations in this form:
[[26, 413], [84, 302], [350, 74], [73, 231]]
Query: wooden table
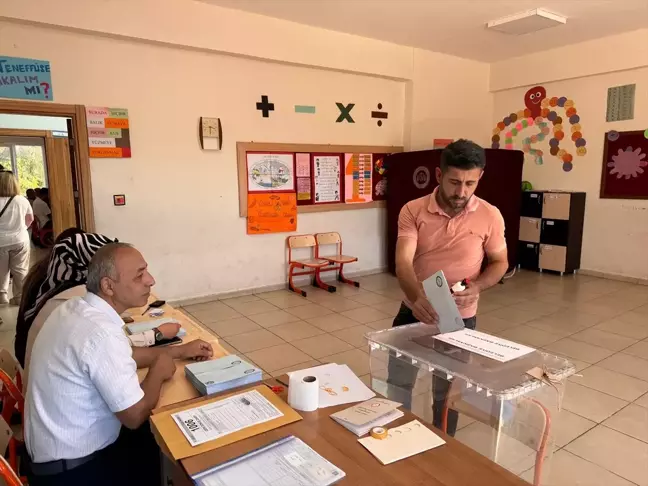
[[178, 389], [452, 464]]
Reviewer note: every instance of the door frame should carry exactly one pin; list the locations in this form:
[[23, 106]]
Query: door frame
[[80, 136]]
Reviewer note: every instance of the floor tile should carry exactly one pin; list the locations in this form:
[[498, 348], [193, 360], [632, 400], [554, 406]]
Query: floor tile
[[369, 298], [278, 357], [614, 451], [251, 308], [513, 315], [274, 294], [579, 350], [530, 336], [253, 340], [610, 382], [309, 310], [332, 322], [287, 301], [346, 290], [390, 308], [639, 350], [643, 401], [567, 469], [381, 324], [355, 359], [569, 427], [214, 312], [538, 308], [365, 314], [231, 327], [626, 364], [354, 335], [603, 339], [553, 326], [300, 366], [490, 323], [591, 404], [293, 331], [341, 304], [632, 421], [322, 345], [486, 307], [273, 318], [616, 326], [395, 294], [240, 300]]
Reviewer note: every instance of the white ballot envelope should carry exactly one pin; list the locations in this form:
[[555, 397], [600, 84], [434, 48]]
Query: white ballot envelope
[[438, 293]]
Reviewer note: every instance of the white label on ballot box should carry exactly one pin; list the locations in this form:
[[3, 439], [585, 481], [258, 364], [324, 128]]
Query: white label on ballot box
[[481, 343], [212, 421]]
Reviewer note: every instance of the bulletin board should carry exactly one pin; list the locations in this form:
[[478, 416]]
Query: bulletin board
[[321, 176], [624, 174]]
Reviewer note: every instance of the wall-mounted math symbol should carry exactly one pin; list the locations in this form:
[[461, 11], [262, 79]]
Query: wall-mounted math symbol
[[379, 114]]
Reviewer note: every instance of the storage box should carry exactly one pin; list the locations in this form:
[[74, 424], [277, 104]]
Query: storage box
[[504, 413]]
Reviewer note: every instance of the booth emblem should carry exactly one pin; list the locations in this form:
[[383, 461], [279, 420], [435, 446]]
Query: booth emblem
[[421, 177]]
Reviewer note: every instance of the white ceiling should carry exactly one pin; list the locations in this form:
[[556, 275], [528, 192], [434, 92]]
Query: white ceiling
[[456, 26]]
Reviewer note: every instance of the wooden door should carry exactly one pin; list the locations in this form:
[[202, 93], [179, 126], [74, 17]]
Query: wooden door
[[553, 258], [556, 205], [530, 229], [59, 170]]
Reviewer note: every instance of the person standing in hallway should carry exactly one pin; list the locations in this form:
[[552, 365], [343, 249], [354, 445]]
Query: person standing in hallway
[[42, 210], [15, 217], [450, 230]]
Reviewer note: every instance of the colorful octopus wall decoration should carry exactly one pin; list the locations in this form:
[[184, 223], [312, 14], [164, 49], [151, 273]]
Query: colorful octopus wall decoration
[[540, 111]]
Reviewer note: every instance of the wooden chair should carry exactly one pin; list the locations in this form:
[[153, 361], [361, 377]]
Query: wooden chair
[[338, 258], [12, 399], [7, 472], [310, 265]]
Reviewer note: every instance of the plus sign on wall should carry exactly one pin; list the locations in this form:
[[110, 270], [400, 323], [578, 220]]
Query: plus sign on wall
[[265, 106]]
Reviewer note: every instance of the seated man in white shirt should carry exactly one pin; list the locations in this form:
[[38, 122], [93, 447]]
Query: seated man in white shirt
[[86, 412]]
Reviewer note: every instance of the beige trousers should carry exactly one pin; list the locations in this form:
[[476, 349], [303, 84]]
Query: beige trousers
[[14, 260]]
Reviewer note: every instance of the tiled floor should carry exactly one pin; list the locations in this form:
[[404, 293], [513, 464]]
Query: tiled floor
[[600, 325]]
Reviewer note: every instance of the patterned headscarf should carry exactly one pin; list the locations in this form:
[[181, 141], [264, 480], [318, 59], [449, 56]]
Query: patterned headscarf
[[68, 267]]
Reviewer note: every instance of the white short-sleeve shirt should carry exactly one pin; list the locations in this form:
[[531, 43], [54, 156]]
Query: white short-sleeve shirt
[[81, 373], [13, 229], [41, 211]]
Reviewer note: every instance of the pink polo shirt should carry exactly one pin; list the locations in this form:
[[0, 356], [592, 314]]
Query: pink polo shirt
[[455, 245]]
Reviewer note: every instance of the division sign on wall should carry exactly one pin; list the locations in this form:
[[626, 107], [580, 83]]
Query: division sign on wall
[[25, 79], [108, 132]]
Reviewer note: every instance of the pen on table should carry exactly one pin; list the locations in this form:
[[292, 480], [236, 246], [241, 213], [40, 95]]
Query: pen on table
[[246, 401]]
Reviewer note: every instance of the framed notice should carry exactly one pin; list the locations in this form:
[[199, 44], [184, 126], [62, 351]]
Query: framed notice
[[270, 172], [327, 179], [108, 132]]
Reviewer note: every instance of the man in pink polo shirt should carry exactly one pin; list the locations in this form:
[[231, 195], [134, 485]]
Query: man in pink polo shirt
[[450, 230]]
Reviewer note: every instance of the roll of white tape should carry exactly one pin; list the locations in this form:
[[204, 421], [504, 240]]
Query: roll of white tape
[[303, 393]]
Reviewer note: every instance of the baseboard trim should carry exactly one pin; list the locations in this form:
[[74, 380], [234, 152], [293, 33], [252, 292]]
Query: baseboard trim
[[258, 290], [614, 276]]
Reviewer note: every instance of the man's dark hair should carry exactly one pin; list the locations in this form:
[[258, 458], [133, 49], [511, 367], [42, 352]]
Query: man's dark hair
[[44, 191], [464, 155]]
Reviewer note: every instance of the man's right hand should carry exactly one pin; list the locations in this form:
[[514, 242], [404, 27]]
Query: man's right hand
[[424, 312], [164, 366]]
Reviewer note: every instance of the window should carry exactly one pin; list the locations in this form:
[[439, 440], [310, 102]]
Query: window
[[25, 157]]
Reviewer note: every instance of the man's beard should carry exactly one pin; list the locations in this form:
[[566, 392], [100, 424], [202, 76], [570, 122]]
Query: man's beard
[[453, 202]]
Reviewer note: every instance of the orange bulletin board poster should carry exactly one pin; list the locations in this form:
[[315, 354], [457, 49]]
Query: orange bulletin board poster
[[271, 213], [358, 174]]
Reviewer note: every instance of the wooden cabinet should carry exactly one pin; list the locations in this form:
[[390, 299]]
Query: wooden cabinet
[[551, 230]]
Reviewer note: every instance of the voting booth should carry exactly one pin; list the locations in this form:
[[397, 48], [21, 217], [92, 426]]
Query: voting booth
[[511, 394]]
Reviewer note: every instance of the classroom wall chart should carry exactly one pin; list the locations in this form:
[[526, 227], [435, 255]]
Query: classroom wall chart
[[270, 172], [357, 181], [327, 178], [108, 132], [25, 79], [625, 165]]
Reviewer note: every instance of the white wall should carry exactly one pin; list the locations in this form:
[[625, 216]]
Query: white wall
[[182, 202], [615, 238]]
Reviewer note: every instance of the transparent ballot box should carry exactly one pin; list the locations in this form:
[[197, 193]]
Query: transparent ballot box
[[495, 407]]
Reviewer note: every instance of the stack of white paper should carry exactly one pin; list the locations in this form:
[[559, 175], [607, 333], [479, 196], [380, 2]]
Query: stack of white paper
[[221, 374], [337, 385]]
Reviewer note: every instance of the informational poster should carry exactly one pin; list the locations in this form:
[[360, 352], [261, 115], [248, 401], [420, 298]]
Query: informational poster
[[303, 188], [271, 172], [493, 347], [620, 103], [271, 213], [25, 79], [357, 182], [327, 178], [625, 165], [302, 165], [108, 132]]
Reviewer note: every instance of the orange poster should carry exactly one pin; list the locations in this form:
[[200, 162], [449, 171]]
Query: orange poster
[[271, 213]]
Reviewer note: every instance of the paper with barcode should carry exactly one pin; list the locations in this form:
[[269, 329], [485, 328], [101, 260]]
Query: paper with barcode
[[217, 419]]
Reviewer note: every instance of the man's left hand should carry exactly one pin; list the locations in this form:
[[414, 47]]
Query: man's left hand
[[197, 350], [469, 296]]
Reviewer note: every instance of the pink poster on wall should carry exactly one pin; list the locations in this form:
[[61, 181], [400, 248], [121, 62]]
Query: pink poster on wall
[[302, 165], [357, 178]]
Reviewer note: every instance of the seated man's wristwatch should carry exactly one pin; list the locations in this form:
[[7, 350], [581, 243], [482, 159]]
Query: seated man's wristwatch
[[158, 335]]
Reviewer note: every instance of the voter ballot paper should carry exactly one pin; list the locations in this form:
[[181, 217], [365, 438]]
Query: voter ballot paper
[[216, 419], [286, 462]]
